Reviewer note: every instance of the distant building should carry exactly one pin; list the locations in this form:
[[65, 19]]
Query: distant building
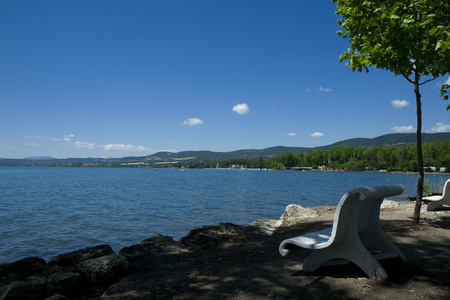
[[301, 168]]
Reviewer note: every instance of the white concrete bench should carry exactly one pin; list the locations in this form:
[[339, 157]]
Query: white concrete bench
[[356, 235], [437, 202]]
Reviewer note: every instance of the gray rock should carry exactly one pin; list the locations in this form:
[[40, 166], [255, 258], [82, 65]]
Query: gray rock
[[31, 289], [68, 282], [97, 264], [57, 297], [389, 204], [267, 226], [68, 274], [156, 245], [74, 258], [294, 211], [22, 269], [104, 268], [16, 280], [217, 234]]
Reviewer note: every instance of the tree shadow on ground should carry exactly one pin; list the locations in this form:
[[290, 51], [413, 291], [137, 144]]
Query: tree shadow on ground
[[254, 269]]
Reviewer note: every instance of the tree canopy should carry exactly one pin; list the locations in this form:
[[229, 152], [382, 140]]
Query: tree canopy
[[410, 38], [403, 37]]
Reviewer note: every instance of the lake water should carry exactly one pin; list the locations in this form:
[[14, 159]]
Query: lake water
[[46, 211]]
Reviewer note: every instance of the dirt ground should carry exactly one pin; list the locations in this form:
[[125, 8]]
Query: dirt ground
[[252, 268]]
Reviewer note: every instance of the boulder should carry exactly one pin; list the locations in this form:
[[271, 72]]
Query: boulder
[[294, 211], [156, 245], [389, 204], [57, 297], [104, 268], [217, 234], [22, 269], [67, 282], [74, 258], [267, 226], [70, 273], [29, 289], [21, 279], [97, 264]]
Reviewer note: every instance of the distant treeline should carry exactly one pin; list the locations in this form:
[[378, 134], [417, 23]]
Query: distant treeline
[[390, 158]]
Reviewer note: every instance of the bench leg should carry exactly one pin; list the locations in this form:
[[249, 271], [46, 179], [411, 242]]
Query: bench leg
[[356, 254], [435, 206], [380, 242]]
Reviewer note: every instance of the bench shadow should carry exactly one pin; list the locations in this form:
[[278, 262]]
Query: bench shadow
[[254, 269]]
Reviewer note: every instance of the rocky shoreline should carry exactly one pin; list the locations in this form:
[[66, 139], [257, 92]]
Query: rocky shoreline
[[227, 261]]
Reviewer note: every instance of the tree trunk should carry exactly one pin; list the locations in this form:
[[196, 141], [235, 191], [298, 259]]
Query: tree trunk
[[418, 206]]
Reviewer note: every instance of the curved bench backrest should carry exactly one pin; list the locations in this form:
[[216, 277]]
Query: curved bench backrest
[[358, 211], [446, 190]]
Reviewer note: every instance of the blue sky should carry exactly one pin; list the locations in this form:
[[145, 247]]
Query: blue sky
[[131, 78]]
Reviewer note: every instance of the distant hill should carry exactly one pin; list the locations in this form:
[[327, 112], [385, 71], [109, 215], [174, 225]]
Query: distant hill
[[39, 158], [395, 139], [214, 156]]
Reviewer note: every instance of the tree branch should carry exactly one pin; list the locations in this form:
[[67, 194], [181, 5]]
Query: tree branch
[[426, 81], [407, 78]]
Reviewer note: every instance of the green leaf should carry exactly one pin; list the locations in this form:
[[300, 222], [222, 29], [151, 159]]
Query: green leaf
[[438, 45], [432, 30]]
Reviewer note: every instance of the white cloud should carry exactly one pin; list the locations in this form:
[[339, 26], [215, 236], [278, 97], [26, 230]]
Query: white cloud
[[166, 150], [193, 121], [107, 147], [32, 144], [66, 138], [123, 147], [111, 147], [37, 137], [409, 128], [291, 134], [324, 89], [399, 103], [241, 109], [317, 134], [84, 145], [441, 127], [448, 80]]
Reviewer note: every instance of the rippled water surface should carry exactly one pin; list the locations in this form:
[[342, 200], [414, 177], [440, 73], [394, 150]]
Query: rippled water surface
[[46, 211]]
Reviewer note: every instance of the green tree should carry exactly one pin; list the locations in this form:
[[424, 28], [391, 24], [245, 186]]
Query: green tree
[[316, 158], [445, 87], [260, 163], [358, 152], [409, 38], [370, 156], [288, 160], [301, 162], [276, 163]]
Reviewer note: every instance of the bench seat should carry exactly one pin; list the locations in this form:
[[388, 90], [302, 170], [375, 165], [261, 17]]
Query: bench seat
[[356, 235]]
